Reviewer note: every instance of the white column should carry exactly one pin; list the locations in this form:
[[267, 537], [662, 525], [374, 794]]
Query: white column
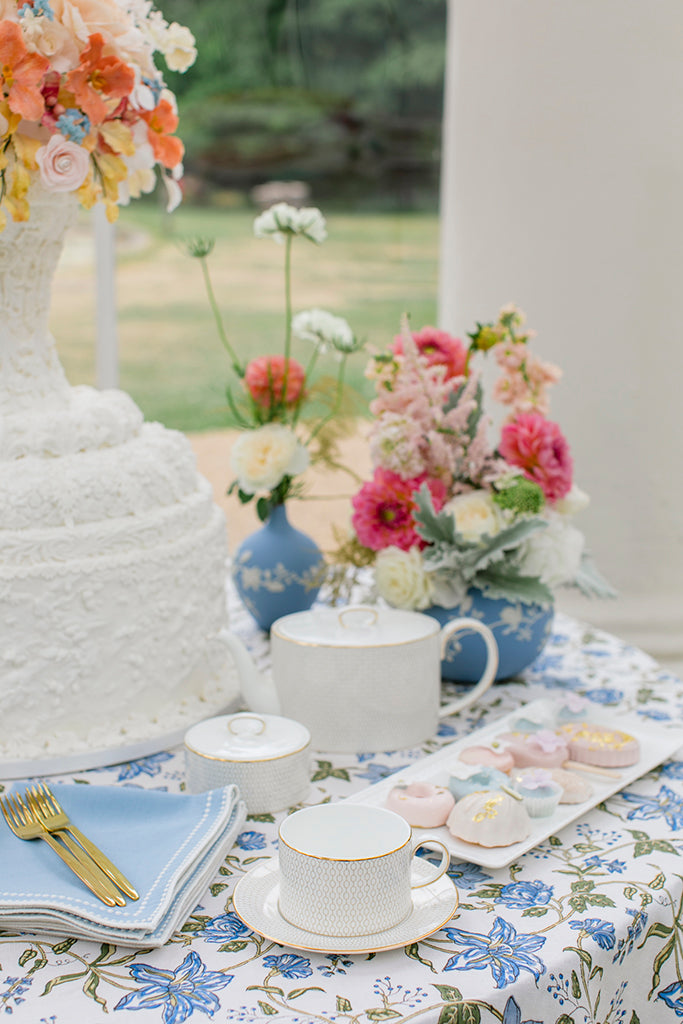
[[106, 352], [563, 192]]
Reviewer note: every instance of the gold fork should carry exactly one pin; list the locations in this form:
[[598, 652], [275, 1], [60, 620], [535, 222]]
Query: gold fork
[[52, 816], [26, 826]]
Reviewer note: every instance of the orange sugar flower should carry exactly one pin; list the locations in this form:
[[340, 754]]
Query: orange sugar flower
[[21, 73], [161, 122], [97, 76]]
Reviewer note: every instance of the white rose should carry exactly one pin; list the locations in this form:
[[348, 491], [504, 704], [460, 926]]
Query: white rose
[[553, 554], [401, 578], [179, 47], [576, 501], [261, 458], [475, 514], [63, 165]]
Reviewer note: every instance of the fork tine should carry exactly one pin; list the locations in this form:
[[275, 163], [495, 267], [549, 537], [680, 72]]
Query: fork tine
[[7, 813], [15, 809], [49, 797]]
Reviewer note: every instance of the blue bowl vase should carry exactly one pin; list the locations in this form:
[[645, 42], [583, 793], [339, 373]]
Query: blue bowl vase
[[277, 570], [521, 631]]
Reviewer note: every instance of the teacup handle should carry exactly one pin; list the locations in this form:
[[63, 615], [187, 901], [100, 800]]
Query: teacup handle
[[441, 868], [490, 669]]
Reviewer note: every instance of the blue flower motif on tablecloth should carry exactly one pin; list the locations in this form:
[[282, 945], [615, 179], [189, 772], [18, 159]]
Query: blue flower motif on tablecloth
[[190, 987], [655, 715], [605, 696], [635, 929], [376, 772], [601, 931], [614, 867], [548, 662], [666, 804], [673, 997], [337, 965], [503, 950], [521, 895], [673, 769], [468, 876], [143, 766], [513, 1015], [251, 841], [445, 729], [289, 966], [364, 757], [223, 929]]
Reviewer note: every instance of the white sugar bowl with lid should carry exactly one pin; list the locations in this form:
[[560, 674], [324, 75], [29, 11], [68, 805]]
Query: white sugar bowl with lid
[[266, 756]]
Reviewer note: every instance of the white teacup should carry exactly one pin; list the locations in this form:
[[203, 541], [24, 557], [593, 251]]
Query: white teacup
[[345, 869]]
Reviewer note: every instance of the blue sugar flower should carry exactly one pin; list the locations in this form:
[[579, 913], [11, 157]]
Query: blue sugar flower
[[74, 125], [38, 7], [224, 928], [251, 841], [601, 931], [522, 895], [190, 987], [468, 876], [666, 804], [503, 950], [289, 966]]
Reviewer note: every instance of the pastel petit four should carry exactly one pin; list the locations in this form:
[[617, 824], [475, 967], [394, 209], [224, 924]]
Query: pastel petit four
[[540, 715], [421, 804], [600, 745], [575, 789], [492, 757], [541, 794], [464, 780], [490, 819], [542, 749], [571, 708]]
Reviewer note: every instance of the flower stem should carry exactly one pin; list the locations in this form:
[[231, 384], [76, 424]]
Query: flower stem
[[288, 313], [219, 321], [337, 403]]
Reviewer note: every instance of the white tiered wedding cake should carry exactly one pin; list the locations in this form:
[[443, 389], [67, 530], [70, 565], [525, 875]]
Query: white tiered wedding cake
[[112, 553]]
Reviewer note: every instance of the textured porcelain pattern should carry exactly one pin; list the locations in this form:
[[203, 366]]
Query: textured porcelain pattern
[[354, 876], [270, 766], [112, 553], [256, 902], [366, 684]]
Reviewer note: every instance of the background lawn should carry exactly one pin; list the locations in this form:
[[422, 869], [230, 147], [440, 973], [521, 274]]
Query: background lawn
[[372, 268]]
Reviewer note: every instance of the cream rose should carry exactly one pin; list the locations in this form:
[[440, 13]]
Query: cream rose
[[63, 165], [553, 554], [261, 458], [475, 514], [179, 47], [401, 579]]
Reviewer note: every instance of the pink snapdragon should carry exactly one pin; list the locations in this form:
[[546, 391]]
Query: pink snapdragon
[[525, 380], [384, 506], [437, 349], [539, 448]]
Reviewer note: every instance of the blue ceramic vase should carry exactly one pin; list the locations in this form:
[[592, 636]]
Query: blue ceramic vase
[[277, 570], [521, 631]]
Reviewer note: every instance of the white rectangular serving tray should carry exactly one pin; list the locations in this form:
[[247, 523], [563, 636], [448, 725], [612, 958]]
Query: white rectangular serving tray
[[657, 742]]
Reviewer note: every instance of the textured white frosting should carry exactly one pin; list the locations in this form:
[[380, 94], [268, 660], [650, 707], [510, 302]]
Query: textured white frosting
[[112, 553]]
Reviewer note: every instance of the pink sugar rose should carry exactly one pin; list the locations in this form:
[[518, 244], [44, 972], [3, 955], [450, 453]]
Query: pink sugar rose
[[384, 506], [264, 378], [439, 349], [63, 165], [540, 450]]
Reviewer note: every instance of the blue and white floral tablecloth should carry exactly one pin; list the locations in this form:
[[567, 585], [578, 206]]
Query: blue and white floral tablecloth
[[585, 928]]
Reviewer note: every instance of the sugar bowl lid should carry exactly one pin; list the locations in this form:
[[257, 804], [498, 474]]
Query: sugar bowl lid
[[247, 737], [355, 626]]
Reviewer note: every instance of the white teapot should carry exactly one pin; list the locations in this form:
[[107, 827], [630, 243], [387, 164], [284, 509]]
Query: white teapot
[[361, 679]]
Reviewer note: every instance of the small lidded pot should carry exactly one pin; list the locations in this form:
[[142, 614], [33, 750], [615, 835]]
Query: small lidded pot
[[266, 756]]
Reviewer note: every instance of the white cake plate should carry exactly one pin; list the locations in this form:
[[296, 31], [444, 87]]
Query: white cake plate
[[79, 761]]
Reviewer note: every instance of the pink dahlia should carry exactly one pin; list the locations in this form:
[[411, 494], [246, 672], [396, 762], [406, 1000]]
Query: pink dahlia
[[439, 349], [264, 378], [384, 506], [539, 448]]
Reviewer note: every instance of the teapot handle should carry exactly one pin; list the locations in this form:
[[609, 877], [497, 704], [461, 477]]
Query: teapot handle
[[456, 626]]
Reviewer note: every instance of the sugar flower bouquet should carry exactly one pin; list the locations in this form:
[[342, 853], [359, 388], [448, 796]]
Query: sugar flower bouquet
[[291, 416], [82, 105], [445, 510]]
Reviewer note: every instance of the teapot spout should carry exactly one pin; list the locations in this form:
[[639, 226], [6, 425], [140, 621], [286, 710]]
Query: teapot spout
[[257, 689]]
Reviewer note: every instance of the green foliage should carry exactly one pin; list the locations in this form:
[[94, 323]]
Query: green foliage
[[521, 496]]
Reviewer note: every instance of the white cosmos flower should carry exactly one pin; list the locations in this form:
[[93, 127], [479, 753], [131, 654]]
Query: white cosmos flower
[[324, 330], [261, 458], [282, 219]]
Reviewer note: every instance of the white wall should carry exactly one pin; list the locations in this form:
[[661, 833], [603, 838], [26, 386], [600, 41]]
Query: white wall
[[563, 192]]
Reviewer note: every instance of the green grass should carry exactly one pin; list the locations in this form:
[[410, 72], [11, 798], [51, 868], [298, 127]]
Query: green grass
[[372, 268]]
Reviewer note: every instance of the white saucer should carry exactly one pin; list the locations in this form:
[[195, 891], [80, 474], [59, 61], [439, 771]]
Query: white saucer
[[255, 901]]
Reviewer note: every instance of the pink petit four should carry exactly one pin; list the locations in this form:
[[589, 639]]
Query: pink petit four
[[421, 804], [490, 819], [599, 745], [575, 789], [542, 749], [489, 756]]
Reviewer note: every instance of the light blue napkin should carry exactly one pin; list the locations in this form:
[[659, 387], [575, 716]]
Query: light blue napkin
[[168, 845]]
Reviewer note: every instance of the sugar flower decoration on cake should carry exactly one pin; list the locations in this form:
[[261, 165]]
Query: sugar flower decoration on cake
[[291, 413], [83, 107], [446, 509]]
